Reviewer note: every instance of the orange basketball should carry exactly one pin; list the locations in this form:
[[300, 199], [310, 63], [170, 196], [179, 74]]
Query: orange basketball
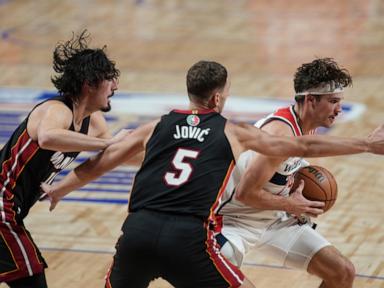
[[319, 185]]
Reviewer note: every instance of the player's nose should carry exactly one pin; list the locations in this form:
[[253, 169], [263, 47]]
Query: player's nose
[[115, 83], [338, 109]]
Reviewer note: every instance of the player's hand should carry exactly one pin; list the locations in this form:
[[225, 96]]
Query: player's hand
[[299, 205], [376, 140], [49, 194], [119, 136]]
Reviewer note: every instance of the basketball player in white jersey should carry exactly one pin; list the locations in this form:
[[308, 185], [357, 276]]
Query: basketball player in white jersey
[[261, 182]]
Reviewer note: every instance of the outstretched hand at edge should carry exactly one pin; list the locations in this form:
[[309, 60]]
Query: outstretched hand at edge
[[376, 140]]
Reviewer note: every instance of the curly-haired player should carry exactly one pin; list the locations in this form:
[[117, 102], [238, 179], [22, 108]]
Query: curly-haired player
[[254, 216], [50, 138]]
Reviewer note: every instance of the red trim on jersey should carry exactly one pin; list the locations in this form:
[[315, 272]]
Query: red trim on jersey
[[21, 153], [31, 248], [288, 114], [5, 237], [220, 194], [219, 223], [230, 272], [195, 111], [17, 238], [10, 213], [27, 154], [21, 159], [107, 277]]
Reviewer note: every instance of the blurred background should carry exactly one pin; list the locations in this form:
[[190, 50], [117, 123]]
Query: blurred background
[[154, 42]]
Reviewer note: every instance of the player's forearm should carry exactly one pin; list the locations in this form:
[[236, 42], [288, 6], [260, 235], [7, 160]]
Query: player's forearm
[[68, 184], [315, 146], [108, 159], [320, 146], [261, 199], [79, 177], [136, 160], [249, 191], [69, 141]]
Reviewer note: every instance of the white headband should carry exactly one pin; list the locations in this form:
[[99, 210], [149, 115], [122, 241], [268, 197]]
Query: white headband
[[330, 87]]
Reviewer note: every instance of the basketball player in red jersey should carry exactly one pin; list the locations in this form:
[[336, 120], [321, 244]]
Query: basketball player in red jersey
[[50, 138], [264, 183], [189, 156]]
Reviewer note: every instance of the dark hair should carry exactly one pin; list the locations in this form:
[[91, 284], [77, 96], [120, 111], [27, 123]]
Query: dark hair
[[204, 77], [76, 63], [310, 75]]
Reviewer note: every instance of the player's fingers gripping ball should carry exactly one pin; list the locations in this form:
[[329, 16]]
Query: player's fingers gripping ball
[[319, 185]]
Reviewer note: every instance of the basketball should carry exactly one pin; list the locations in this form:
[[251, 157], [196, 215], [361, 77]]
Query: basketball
[[319, 185]]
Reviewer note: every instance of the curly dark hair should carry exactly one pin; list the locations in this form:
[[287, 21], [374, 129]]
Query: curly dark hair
[[204, 77], [310, 75], [76, 64]]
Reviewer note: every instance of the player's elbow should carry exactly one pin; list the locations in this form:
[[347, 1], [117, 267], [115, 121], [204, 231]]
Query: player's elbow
[[242, 190], [45, 140], [240, 195], [247, 196]]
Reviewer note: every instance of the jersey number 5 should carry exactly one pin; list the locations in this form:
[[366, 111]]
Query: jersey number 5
[[184, 169]]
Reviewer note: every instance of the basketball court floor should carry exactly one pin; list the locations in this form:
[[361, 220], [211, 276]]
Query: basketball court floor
[[154, 43]]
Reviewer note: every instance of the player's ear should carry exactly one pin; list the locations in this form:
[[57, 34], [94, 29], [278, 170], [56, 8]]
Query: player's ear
[[88, 87], [310, 100], [214, 101]]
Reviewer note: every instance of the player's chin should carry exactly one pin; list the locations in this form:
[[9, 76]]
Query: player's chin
[[330, 122], [106, 108]]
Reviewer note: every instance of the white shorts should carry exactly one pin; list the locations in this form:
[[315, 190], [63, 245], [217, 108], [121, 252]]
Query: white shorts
[[289, 243]]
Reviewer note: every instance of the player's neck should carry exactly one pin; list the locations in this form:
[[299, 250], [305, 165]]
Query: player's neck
[[305, 120], [201, 106], [80, 112]]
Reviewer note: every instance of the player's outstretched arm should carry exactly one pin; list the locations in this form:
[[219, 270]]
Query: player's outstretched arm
[[251, 138], [320, 145], [116, 154]]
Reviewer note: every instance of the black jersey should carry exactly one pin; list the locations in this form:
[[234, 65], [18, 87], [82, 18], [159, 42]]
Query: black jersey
[[187, 162], [24, 165]]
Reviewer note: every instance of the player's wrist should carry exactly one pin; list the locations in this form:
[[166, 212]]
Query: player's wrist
[[288, 204]]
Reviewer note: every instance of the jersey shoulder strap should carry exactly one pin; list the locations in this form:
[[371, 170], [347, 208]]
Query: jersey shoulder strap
[[288, 116]]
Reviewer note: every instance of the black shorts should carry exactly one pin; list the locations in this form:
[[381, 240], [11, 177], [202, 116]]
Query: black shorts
[[180, 249], [19, 255]]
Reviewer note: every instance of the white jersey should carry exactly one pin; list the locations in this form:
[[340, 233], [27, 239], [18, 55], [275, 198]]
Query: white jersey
[[243, 225]]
